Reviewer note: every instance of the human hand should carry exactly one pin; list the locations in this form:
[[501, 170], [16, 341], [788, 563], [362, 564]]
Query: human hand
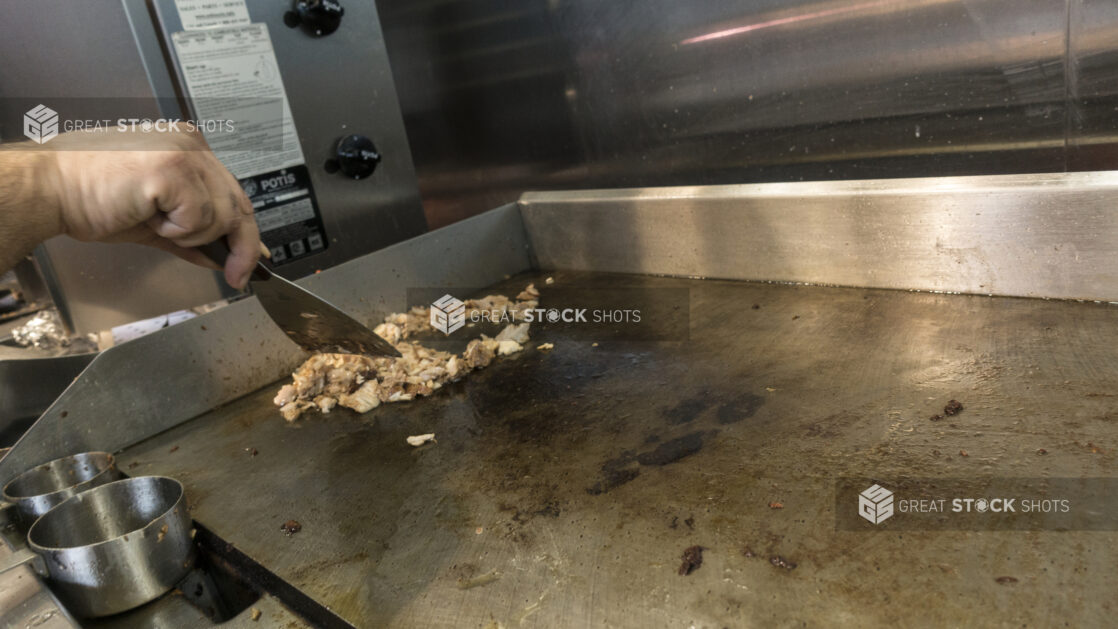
[[165, 190]]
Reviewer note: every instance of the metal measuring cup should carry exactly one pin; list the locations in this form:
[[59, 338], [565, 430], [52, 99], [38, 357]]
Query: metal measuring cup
[[36, 491]]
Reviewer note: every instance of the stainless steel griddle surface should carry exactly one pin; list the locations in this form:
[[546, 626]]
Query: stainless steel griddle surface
[[537, 508]]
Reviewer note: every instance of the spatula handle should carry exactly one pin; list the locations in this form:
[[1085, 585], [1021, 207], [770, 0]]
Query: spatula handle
[[219, 252]]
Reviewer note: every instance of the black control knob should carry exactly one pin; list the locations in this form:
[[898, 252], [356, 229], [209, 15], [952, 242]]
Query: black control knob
[[355, 156], [317, 17]]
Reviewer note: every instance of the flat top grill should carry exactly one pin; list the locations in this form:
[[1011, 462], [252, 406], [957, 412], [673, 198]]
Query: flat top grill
[[565, 486]]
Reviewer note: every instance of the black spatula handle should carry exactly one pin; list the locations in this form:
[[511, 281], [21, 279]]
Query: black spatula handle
[[219, 252]]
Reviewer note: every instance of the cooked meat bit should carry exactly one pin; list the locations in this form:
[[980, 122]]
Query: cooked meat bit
[[1006, 580], [781, 562], [545, 347], [504, 348], [418, 440], [285, 396], [255, 614], [529, 293], [776, 505], [953, 407], [936, 418], [389, 332], [692, 559], [499, 307], [479, 353], [416, 320], [514, 332], [292, 410], [363, 400], [291, 527]]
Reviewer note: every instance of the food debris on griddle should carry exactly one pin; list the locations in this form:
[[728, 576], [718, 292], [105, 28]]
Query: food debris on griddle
[[528, 293], [478, 581], [953, 407], [363, 383], [418, 440], [776, 505], [692, 559], [291, 527], [1006, 580], [781, 562]]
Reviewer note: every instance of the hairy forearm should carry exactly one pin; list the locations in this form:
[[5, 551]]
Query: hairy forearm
[[28, 202]]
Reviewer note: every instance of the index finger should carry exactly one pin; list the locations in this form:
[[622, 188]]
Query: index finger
[[242, 236]]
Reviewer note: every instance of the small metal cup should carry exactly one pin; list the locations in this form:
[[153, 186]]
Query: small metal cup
[[117, 546], [37, 490]]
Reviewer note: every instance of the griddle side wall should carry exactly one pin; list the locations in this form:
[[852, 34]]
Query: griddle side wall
[[1048, 236]]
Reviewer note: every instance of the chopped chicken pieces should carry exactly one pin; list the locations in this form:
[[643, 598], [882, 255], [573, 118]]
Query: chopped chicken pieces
[[545, 347], [529, 293], [479, 353], [504, 348], [419, 440], [518, 333], [363, 383]]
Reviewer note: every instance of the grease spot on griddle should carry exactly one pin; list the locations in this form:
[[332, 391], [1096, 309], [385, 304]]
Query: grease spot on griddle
[[623, 469], [672, 451], [689, 409], [740, 409], [613, 479]]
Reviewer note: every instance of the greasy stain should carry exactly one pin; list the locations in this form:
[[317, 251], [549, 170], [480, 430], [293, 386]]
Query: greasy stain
[[612, 478], [740, 409], [672, 451], [687, 410], [625, 467]]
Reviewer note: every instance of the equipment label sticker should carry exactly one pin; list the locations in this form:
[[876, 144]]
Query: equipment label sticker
[[287, 213]]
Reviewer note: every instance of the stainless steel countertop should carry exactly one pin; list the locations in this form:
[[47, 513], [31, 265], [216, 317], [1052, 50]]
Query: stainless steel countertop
[[533, 508]]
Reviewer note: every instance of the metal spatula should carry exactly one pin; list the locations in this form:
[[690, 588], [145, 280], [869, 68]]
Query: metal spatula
[[308, 320]]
